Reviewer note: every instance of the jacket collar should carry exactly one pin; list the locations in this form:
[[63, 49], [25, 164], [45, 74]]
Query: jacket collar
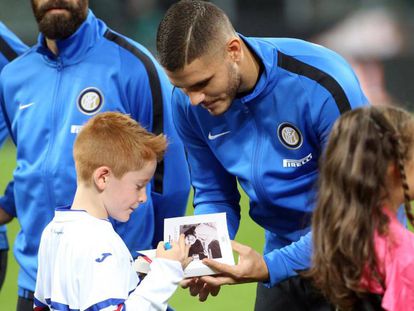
[[74, 48], [267, 54]]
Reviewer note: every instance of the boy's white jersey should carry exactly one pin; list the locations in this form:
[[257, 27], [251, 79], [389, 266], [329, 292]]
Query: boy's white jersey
[[84, 265]]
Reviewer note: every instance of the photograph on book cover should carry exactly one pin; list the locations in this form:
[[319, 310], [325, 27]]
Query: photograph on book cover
[[207, 236], [203, 240]]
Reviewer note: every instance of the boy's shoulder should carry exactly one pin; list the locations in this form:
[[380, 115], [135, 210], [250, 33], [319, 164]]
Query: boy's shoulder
[[79, 228], [84, 239]]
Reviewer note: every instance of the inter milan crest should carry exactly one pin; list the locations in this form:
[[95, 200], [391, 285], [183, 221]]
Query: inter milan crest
[[90, 100], [289, 135]]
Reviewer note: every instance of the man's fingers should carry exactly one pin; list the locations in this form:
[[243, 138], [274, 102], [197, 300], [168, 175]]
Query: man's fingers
[[204, 292], [220, 267], [194, 290], [186, 282], [239, 248], [217, 281], [215, 290], [196, 287]]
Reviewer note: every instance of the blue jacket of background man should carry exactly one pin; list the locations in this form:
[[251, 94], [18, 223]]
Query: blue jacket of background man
[[10, 48], [270, 141], [46, 100]]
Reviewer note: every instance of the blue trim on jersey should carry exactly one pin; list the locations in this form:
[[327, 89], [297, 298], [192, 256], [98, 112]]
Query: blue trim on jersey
[[59, 306], [106, 303], [96, 307], [38, 303]]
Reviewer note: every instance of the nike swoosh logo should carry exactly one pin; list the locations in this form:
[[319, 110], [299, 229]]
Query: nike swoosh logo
[[104, 255], [21, 107], [213, 137]]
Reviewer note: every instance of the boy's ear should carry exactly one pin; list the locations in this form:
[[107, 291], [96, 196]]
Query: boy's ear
[[100, 177]]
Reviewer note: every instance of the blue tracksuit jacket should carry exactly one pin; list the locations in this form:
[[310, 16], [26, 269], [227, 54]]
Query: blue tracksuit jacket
[[10, 48], [270, 141], [47, 98]]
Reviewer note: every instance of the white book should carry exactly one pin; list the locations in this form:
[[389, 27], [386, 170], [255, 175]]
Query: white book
[[142, 263], [207, 236]]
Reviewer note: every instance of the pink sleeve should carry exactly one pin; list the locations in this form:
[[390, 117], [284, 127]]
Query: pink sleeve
[[399, 295]]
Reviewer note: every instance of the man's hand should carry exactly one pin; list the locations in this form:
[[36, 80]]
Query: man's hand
[[198, 287], [250, 268], [4, 217]]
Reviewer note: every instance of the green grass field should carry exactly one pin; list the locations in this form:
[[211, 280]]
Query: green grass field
[[240, 297]]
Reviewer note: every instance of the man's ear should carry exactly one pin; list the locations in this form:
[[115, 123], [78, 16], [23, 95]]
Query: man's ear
[[100, 177], [234, 49]]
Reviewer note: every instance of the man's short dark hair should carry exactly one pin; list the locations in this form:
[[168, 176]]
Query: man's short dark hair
[[189, 30]]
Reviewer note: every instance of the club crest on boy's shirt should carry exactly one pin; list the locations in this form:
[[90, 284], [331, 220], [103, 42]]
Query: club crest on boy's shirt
[[289, 135], [90, 100]]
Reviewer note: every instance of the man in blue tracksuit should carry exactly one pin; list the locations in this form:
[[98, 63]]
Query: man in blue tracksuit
[[79, 68], [10, 48], [256, 111]]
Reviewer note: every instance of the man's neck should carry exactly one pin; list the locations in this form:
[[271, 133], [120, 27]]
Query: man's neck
[[52, 46], [250, 70]]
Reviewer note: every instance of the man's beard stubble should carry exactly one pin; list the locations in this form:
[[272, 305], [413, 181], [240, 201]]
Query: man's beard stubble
[[234, 81], [60, 26]]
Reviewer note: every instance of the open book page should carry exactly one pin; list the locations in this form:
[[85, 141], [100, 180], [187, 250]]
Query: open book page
[[142, 263]]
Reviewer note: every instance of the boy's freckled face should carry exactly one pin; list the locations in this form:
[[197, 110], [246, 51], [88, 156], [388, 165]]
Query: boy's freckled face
[[122, 196]]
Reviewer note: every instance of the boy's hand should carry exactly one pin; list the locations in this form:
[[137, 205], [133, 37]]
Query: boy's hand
[[178, 251]]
